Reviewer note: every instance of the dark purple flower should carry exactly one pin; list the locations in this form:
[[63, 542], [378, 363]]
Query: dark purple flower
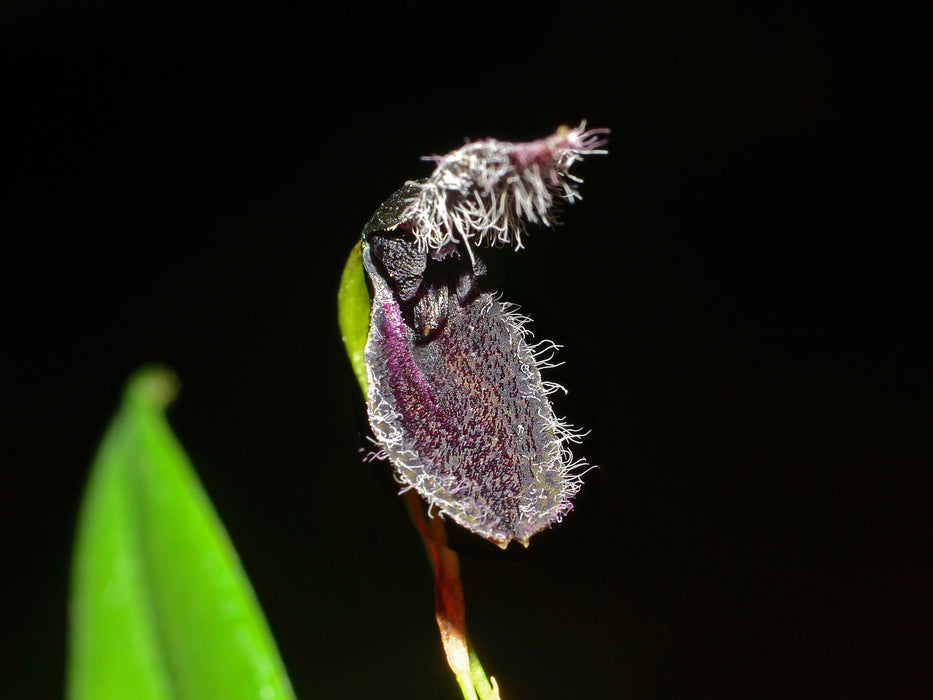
[[455, 395]]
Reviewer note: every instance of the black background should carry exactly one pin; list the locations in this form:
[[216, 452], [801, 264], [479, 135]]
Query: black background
[[740, 294]]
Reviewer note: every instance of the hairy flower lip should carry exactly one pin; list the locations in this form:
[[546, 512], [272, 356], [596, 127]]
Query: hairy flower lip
[[472, 431]]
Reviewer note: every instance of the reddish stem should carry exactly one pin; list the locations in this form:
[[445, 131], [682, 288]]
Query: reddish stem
[[448, 590]]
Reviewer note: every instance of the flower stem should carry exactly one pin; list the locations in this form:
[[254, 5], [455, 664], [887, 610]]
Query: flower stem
[[449, 608]]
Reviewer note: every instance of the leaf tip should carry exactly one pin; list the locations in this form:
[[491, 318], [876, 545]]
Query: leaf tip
[[154, 385]]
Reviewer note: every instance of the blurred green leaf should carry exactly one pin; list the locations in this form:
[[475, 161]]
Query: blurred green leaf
[[353, 312], [160, 606]]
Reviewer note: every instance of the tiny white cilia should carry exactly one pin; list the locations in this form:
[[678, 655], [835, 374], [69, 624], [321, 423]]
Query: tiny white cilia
[[485, 192]]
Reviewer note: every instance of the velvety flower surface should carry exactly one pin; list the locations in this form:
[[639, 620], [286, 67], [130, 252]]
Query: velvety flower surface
[[456, 399]]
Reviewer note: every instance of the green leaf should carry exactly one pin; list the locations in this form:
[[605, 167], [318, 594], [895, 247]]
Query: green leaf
[[160, 606], [353, 312]]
